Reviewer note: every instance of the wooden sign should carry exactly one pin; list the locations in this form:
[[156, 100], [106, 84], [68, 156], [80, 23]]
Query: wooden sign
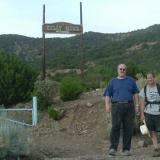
[[62, 28]]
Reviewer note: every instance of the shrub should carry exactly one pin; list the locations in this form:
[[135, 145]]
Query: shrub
[[97, 77], [132, 69], [45, 90], [70, 88], [56, 113], [91, 81], [158, 77], [16, 79], [14, 139]]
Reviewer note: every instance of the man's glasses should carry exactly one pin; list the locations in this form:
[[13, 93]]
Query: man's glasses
[[122, 69]]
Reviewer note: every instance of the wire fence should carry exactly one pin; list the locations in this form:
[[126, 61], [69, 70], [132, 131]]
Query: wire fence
[[14, 129]]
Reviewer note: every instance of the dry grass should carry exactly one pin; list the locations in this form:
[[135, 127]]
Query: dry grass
[[14, 138]]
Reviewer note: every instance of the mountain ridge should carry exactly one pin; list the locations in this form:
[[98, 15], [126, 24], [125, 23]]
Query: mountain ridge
[[99, 48]]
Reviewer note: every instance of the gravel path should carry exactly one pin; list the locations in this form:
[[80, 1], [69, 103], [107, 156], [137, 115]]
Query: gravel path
[[82, 135], [137, 154]]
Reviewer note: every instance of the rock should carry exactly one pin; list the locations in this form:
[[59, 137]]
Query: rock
[[89, 104], [142, 143]]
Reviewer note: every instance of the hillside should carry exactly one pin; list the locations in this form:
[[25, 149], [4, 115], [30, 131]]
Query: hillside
[[82, 134], [140, 46]]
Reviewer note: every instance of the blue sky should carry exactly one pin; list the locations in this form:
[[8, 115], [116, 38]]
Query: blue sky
[[24, 17]]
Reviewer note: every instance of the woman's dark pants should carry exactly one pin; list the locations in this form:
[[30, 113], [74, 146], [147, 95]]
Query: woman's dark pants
[[122, 117]]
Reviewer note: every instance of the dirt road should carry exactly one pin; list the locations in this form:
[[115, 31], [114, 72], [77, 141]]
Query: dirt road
[[81, 135]]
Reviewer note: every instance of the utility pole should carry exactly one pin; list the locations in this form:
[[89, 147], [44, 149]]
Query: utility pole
[[44, 50], [81, 44]]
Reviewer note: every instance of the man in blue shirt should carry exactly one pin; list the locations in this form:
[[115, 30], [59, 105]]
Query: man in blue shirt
[[121, 93]]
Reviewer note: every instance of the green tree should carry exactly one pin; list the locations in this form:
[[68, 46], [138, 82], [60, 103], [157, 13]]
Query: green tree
[[70, 88], [46, 91], [16, 79], [132, 69]]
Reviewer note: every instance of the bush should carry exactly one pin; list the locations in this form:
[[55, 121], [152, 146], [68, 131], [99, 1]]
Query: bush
[[16, 79], [97, 77], [70, 88], [14, 139], [91, 81], [45, 90], [55, 113]]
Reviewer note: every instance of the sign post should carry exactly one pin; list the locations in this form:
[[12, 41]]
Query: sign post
[[60, 28], [44, 50], [81, 44]]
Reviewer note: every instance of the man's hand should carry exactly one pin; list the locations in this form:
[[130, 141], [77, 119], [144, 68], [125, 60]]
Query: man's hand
[[142, 107], [142, 116], [137, 109], [108, 108], [107, 104]]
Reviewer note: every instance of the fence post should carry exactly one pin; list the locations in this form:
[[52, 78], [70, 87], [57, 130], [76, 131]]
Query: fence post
[[34, 111]]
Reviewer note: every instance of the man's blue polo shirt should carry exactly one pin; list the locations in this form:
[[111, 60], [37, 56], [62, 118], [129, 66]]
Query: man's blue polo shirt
[[121, 89]]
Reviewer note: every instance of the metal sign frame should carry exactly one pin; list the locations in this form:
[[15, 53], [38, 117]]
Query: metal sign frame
[[60, 28]]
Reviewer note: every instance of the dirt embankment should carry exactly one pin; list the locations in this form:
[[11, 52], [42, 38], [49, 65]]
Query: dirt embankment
[[81, 135]]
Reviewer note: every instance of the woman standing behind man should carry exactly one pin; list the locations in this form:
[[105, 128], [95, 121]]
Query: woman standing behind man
[[150, 109]]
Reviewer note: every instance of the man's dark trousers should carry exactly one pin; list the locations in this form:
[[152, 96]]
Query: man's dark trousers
[[122, 115]]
